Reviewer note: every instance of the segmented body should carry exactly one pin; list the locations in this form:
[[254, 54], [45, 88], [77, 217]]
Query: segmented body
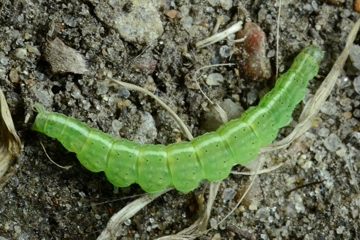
[[183, 165]]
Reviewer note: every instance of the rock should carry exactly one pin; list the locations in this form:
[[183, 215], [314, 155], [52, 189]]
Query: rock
[[136, 21]]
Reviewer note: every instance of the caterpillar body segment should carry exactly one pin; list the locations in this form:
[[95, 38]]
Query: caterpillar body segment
[[183, 165], [123, 173], [216, 159]]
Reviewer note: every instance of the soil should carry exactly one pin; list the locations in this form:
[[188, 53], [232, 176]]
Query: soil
[[314, 195]]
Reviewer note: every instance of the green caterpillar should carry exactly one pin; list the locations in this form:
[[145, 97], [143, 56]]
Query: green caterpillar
[[183, 165]]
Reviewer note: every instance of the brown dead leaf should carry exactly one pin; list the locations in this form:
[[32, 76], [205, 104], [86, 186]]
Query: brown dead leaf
[[10, 144]]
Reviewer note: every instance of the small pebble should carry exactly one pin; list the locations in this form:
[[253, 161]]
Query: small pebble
[[14, 75], [139, 23], [347, 115], [127, 222], [357, 5], [117, 125], [213, 223], [332, 143], [226, 4], [340, 230], [214, 3], [228, 194], [225, 51], [356, 113], [214, 79], [328, 108], [253, 206], [20, 53], [324, 132], [357, 84], [171, 13]]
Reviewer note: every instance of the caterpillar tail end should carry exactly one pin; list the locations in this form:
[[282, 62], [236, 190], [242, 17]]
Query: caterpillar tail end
[[37, 124], [315, 52], [39, 108]]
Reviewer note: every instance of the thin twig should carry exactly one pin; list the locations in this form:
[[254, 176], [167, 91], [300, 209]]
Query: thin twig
[[162, 104], [63, 167]]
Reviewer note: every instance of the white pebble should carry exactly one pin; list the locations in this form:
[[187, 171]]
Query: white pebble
[[340, 230], [116, 125], [332, 143], [226, 4], [214, 3], [225, 51], [324, 132], [213, 223], [328, 108], [214, 79], [253, 206], [228, 194], [127, 222], [307, 165], [20, 53], [357, 84]]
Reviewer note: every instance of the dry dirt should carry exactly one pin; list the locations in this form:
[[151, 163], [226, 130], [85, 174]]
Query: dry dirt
[[315, 195]]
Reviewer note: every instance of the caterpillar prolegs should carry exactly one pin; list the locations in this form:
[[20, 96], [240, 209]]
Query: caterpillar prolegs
[[183, 165]]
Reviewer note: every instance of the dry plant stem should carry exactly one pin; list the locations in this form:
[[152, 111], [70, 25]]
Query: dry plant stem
[[195, 78], [217, 25], [260, 165], [162, 104], [270, 169], [63, 167], [198, 228], [142, 52], [214, 188], [221, 111], [243, 13], [127, 212], [219, 36], [313, 106]]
